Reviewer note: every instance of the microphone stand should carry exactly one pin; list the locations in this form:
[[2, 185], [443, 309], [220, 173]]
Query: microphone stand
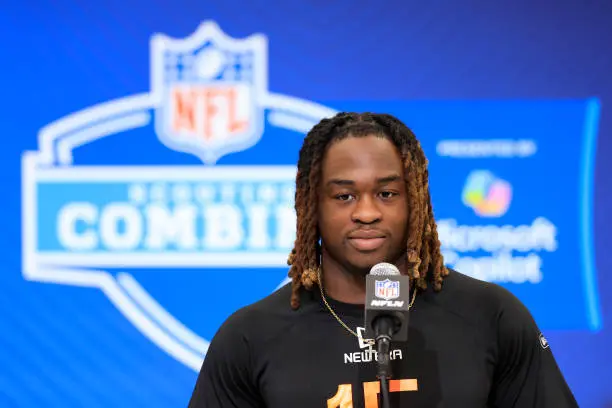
[[383, 358], [385, 319]]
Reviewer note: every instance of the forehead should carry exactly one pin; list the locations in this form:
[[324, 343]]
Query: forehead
[[365, 156]]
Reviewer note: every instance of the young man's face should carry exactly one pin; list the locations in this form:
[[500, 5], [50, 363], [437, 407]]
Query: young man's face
[[363, 205]]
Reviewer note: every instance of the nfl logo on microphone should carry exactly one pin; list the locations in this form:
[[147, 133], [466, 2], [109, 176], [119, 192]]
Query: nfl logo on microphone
[[387, 289]]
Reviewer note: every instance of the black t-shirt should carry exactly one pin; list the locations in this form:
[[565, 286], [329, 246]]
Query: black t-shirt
[[471, 345]]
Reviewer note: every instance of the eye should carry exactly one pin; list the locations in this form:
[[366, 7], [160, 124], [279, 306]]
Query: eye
[[344, 197], [388, 194]]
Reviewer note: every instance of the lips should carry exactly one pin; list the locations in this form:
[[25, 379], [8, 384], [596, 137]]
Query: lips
[[367, 244], [367, 240]]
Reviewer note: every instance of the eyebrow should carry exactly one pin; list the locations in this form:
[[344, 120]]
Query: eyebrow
[[380, 180]]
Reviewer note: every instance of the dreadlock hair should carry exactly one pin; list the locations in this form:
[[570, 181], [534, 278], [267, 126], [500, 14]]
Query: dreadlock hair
[[424, 258]]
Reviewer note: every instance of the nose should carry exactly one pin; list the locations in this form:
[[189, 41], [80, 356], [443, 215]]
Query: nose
[[366, 211]]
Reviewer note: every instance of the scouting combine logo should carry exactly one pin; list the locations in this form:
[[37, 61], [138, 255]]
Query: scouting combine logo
[[106, 226]]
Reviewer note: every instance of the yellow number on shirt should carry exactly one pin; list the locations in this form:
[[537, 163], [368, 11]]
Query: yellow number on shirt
[[344, 396], [372, 388]]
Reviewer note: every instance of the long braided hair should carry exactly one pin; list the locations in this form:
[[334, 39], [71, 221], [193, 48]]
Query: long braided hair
[[424, 258]]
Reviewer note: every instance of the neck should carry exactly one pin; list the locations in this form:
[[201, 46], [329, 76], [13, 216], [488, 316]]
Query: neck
[[344, 285]]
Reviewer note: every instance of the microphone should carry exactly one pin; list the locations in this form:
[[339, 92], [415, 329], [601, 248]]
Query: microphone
[[386, 316], [387, 303]]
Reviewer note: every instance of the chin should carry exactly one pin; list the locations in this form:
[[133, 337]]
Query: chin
[[364, 264]]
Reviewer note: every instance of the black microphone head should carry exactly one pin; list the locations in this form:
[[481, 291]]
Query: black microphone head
[[384, 268]]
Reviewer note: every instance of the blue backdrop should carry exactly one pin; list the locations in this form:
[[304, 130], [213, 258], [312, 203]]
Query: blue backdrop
[[148, 166]]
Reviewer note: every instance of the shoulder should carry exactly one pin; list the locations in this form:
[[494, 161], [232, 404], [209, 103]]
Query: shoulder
[[262, 320], [525, 370], [479, 302], [229, 372], [260, 311]]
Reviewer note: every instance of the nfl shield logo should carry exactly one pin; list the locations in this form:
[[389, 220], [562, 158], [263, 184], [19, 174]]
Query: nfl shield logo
[[209, 90], [387, 289]]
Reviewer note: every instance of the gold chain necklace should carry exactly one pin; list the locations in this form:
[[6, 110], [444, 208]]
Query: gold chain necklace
[[366, 341]]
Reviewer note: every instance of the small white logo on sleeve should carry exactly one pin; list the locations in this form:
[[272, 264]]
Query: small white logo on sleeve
[[543, 341]]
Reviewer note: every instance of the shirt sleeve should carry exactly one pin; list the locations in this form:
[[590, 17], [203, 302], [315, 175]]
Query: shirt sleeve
[[225, 378], [527, 374]]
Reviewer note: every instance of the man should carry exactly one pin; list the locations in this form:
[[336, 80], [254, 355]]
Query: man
[[362, 198]]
